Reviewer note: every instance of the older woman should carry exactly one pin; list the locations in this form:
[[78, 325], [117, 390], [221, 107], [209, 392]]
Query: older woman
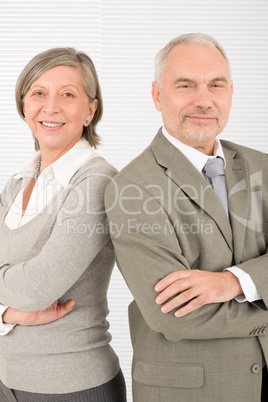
[[55, 244]]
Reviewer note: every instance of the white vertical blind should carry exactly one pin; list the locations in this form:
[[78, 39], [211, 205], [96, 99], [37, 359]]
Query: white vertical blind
[[122, 38]]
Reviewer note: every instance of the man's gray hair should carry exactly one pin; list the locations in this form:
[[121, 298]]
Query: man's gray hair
[[191, 39]]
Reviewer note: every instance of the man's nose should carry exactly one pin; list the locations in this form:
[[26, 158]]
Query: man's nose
[[203, 97]]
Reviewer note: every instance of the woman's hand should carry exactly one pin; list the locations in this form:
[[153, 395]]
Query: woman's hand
[[51, 313]]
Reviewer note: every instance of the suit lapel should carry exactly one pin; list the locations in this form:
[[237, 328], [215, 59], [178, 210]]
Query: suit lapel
[[239, 198], [183, 173]]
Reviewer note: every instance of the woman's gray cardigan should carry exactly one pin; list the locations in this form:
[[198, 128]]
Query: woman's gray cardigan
[[64, 252]]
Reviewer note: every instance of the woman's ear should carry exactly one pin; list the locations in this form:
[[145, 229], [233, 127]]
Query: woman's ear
[[92, 109]]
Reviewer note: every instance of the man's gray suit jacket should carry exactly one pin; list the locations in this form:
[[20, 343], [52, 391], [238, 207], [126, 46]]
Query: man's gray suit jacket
[[163, 216]]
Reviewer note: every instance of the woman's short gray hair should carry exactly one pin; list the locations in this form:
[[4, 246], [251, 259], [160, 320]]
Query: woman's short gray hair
[[63, 57], [191, 39]]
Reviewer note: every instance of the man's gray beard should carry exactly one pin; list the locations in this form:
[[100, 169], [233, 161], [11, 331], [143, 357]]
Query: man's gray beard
[[192, 133], [199, 137]]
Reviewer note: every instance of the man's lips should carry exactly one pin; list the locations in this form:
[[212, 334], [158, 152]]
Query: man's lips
[[201, 119]]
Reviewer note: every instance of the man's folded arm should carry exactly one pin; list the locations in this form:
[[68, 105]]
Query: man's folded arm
[[145, 254]]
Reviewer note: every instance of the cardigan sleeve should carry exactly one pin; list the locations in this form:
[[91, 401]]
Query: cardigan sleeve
[[78, 235], [4, 328]]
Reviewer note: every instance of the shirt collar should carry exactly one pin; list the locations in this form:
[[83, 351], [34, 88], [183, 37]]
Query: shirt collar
[[197, 158], [63, 168], [28, 168]]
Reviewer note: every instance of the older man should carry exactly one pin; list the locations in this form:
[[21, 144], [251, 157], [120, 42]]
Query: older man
[[192, 213]]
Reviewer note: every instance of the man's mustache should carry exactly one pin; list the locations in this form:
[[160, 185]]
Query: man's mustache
[[200, 111]]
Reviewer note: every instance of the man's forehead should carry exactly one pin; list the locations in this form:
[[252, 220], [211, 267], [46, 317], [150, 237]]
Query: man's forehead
[[195, 57], [189, 50]]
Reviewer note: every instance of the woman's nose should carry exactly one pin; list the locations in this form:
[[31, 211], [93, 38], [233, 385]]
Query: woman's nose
[[51, 105]]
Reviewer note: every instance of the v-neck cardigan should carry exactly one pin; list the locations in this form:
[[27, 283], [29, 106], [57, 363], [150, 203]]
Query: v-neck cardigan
[[64, 252]]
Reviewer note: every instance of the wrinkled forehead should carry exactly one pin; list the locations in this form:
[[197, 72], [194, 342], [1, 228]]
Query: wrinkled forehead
[[187, 59]]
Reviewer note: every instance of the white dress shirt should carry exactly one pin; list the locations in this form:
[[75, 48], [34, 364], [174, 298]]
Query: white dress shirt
[[49, 183], [198, 160]]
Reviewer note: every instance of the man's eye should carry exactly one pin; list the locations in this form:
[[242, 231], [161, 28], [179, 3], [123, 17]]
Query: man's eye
[[217, 86], [184, 86]]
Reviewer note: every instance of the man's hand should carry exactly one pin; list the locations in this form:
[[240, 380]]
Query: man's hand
[[52, 313], [195, 288]]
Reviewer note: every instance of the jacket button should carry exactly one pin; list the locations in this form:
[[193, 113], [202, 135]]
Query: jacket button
[[256, 368]]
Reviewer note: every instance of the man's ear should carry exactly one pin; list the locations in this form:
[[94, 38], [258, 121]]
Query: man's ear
[[156, 95]]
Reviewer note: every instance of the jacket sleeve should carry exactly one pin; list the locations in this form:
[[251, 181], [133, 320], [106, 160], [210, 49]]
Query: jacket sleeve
[[145, 254], [258, 271], [78, 235]]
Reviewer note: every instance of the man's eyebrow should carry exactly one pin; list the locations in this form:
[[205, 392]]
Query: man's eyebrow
[[183, 79], [222, 79]]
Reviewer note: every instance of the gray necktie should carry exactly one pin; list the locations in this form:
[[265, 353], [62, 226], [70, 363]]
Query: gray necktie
[[214, 174]]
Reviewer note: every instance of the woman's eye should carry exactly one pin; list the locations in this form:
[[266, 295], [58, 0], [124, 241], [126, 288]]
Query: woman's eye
[[38, 93], [68, 95]]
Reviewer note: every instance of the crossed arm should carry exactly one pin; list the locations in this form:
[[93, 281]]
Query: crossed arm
[[187, 290], [51, 313], [151, 261], [53, 267], [196, 288]]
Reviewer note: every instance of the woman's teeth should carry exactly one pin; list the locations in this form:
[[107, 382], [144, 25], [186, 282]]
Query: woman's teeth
[[52, 124]]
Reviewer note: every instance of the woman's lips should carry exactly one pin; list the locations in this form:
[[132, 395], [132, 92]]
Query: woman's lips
[[51, 125]]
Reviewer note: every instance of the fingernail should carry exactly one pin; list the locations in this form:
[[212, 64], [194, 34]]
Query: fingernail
[[158, 300], [71, 305]]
